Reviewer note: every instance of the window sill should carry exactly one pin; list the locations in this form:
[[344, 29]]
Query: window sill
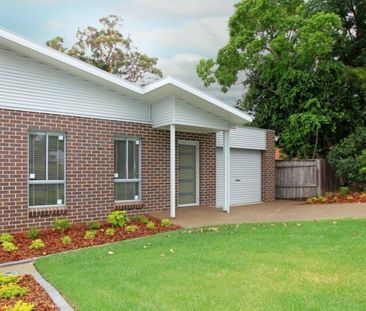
[[46, 211], [128, 205]]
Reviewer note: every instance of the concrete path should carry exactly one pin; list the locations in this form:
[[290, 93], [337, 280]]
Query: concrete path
[[28, 268], [280, 210]]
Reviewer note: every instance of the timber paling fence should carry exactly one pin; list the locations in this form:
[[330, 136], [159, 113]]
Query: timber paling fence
[[301, 179]]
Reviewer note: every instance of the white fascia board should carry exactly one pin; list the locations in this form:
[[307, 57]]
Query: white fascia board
[[97, 75]]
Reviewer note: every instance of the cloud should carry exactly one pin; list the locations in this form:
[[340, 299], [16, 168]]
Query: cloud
[[183, 67], [170, 9], [53, 25], [204, 36]]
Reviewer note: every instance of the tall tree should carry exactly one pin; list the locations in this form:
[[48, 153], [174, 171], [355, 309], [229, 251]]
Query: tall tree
[[107, 48], [293, 82]]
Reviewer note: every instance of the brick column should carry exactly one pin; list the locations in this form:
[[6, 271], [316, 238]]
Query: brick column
[[268, 168]]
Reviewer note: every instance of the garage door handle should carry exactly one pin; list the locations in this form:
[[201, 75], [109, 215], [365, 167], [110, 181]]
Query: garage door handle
[[237, 179]]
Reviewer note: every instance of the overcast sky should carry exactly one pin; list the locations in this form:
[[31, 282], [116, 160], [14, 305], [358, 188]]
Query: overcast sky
[[178, 32]]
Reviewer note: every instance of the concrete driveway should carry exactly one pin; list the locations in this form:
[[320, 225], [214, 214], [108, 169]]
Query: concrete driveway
[[280, 210]]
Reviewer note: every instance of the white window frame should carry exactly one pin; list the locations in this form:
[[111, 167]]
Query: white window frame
[[127, 180], [198, 181], [46, 181]]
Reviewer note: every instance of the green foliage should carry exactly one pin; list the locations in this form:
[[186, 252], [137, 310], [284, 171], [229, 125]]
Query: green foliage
[[6, 279], [108, 49], [131, 228], [284, 56], [93, 225], [110, 232], [66, 240], [344, 190], [90, 235], [6, 237], [150, 225], [20, 306], [9, 291], [34, 233], [9, 247], [117, 218], [166, 222], [61, 224], [349, 158], [37, 244]]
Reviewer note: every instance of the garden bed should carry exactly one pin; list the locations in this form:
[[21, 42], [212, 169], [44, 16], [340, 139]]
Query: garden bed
[[35, 295], [338, 199], [53, 239]]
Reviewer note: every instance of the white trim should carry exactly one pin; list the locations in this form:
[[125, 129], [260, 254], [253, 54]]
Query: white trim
[[196, 144], [172, 171], [226, 138]]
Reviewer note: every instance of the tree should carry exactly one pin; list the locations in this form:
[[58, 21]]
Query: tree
[[294, 83], [352, 47], [108, 49]]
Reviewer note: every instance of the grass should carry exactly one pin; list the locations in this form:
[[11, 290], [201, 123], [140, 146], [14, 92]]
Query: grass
[[292, 266]]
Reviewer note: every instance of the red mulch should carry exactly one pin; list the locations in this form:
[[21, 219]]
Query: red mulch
[[36, 295], [337, 199], [52, 239]]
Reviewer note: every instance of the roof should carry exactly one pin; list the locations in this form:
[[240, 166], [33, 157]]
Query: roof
[[153, 92]]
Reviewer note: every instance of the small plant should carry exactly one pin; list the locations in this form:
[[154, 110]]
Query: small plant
[[12, 290], [61, 224], [6, 237], [20, 306], [90, 235], [117, 218], [138, 218], [131, 228], [66, 240], [150, 225], [344, 190], [9, 247], [34, 234], [165, 222], [37, 244], [93, 225], [110, 232], [6, 279], [145, 220]]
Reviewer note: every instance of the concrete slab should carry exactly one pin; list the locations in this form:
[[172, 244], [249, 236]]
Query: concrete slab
[[280, 210]]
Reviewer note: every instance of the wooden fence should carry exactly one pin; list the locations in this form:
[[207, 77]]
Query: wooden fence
[[300, 179]]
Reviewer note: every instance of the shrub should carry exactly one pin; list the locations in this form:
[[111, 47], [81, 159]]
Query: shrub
[[138, 218], [145, 220], [343, 190], [150, 225], [20, 306], [34, 234], [65, 240], [6, 279], [93, 225], [131, 228], [349, 158], [90, 235], [9, 247], [110, 232], [6, 237], [37, 244], [117, 218], [12, 290], [165, 222], [61, 224]]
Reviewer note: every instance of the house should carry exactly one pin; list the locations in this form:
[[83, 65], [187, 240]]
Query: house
[[78, 142]]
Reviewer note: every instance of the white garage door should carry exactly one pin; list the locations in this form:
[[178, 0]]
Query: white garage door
[[245, 176]]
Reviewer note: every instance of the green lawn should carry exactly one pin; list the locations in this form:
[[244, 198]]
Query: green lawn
[[293, 266]]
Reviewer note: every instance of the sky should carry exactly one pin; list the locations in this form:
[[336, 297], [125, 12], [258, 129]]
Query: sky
[[178, 32]]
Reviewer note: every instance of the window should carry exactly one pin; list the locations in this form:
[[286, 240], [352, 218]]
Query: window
[[127, 169], [46, 169]]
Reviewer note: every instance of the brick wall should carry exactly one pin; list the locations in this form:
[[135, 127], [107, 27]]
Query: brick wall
[[268, 168], [90, 168]]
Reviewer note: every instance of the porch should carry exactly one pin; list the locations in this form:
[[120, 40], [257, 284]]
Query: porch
[[277, 211]]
